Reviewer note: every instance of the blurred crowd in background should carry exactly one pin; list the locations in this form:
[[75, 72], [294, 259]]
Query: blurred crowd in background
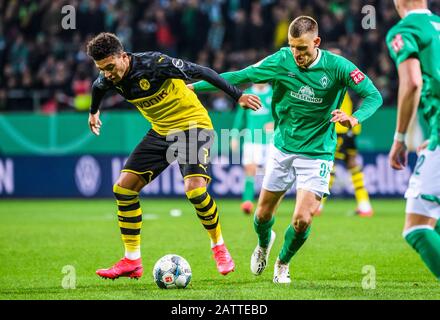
[[46, 69]]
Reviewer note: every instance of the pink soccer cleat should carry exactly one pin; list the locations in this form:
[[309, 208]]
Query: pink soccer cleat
[[123, 268], [247, 207], [365, 214], [223, 259]]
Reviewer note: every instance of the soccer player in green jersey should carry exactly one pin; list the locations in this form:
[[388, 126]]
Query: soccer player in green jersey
[[309, 85], [257, 130], [414, 45]]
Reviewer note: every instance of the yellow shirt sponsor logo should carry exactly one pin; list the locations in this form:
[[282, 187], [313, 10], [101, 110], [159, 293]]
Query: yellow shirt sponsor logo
[[173, 107], [148, 102]]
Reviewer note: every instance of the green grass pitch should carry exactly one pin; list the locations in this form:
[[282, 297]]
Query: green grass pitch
[[39, 237]]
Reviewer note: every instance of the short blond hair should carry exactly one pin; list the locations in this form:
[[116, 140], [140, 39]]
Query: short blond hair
[[302, 25]]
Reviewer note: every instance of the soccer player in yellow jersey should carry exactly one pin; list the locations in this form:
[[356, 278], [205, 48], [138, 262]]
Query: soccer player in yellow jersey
[[181, 130]]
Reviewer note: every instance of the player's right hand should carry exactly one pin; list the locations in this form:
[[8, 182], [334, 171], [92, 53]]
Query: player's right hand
[[95, 123], [398, 156], [250, 101]]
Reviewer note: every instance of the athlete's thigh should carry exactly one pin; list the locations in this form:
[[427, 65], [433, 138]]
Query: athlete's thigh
[[148, 159], [131, 181], [414, 219], [423, 193], [194, 153], [279, 174], [307, 203], [268, 202]]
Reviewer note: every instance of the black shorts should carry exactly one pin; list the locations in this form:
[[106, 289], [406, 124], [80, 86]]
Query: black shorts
[[346, 146], [191, 149]]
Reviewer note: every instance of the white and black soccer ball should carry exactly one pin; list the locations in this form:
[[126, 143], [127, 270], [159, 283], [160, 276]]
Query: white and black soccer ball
[[172, 271]]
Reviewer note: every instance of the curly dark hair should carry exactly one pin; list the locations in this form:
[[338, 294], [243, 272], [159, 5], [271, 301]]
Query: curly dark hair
[[104, 45]]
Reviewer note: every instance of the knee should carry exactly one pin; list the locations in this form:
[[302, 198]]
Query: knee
[[264, 212], [194, 183], [117, 190], [121, 190], [129, 182], [302, 222]]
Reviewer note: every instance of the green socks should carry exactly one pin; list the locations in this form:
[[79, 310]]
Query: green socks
[[248, 194], [293, 240], [263, 229], [437, 227], [427, 244]]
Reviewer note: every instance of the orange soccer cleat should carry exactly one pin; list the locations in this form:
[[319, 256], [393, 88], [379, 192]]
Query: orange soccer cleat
[[123, 268], [223, 259]]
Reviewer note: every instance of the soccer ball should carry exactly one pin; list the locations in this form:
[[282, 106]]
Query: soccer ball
[[172, 271]]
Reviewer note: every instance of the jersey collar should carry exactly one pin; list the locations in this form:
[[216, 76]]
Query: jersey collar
[[314, 63], [418, 11]]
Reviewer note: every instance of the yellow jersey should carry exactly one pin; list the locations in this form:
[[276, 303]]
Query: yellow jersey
[[155, 85]]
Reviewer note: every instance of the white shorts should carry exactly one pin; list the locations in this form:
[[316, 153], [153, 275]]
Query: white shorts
[[425, 180], [284, 169], [254, 153]]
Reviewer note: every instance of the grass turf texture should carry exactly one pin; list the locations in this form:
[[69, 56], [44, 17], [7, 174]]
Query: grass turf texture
[[38, 238]]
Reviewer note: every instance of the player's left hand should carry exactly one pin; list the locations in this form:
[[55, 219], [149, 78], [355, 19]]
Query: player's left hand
[[398, 156], [190, 86], [344, 119], [250, 101]]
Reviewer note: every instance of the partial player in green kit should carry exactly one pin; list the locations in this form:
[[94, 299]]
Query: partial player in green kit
[[256, 128], [309, 85], [414, 45]]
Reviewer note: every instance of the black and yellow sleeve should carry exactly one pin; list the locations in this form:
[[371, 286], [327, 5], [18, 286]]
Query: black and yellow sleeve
[[168, 67]]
